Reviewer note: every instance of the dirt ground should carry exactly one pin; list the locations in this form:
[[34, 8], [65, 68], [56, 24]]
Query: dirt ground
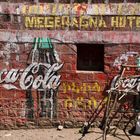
[[54, 134]]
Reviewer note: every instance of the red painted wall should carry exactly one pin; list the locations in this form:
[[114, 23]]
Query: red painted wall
[[79, 93]]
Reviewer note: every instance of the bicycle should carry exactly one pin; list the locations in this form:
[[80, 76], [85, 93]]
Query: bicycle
[[121, 86]]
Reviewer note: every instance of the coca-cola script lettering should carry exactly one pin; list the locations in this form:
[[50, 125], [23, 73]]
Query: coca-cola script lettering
[[126, 84], [36, 76]]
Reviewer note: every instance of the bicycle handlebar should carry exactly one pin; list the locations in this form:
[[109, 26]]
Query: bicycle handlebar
[[130, 66]]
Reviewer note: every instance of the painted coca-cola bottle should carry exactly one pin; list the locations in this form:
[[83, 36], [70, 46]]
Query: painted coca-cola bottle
[[44, 66]]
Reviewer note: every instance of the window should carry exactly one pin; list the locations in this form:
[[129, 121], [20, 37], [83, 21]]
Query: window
[[90, 57]]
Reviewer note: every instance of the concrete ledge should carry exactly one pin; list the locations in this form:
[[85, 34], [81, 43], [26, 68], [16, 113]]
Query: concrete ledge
[[64, 36]]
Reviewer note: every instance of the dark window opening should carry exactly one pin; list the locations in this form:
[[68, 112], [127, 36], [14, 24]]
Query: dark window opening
[[90, 57], [6, 18]]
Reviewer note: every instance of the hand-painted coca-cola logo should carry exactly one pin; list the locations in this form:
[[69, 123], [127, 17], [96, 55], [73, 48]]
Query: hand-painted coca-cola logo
[[126, 83], [36, 76]]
